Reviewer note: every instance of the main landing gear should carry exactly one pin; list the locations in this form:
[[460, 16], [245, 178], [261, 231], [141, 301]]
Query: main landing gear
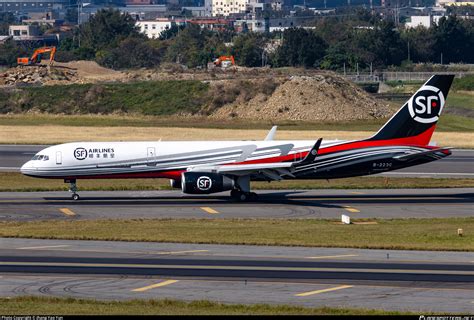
[[242, 190], [243, 196], [73, 189]]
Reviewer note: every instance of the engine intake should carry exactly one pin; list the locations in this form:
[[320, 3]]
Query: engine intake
[[205, 182]]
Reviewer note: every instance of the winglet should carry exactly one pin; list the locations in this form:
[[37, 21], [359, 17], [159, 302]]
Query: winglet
[[312, 153], [271, 134]]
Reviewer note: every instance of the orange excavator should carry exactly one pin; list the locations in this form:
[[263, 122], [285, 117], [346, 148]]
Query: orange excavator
[[224, 61], [37, 55]]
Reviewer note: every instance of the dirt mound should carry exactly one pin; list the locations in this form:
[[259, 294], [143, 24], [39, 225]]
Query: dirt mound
[[37, 75], [59, 73], [324, 97], [90, 71]]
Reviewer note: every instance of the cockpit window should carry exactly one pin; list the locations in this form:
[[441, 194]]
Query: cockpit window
[[40, 157]]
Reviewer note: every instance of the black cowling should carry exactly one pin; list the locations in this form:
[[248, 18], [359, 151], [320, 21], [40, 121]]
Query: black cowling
[[205, 182]]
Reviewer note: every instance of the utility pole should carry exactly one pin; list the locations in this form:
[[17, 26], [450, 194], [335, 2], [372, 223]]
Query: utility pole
[[408, 43]]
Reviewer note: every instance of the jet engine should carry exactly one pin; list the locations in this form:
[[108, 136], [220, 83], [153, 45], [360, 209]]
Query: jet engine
[[205, 182]]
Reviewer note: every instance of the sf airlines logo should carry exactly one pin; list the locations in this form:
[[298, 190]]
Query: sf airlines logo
[[426, 105], [204, 183], [80, 153]]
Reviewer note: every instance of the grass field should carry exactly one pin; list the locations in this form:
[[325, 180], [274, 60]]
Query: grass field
[[52, 134], [13, 181], [406, 234], [70, 306]]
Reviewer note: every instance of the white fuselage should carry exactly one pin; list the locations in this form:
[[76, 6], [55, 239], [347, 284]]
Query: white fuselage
[[157, 158]]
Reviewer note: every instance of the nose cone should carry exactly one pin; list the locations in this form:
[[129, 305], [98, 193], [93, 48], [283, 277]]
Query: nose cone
[[27, 168]]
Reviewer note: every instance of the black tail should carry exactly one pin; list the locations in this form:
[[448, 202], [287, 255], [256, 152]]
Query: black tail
[[416, 120]]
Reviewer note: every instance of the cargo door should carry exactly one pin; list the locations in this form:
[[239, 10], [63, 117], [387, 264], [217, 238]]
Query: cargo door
[[59, 157], [151, 155]]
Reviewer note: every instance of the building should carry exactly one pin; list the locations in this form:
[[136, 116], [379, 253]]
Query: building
[[423, 21], [32, 5], [23, 31], [153, 28], [228, 7], [214, 24]]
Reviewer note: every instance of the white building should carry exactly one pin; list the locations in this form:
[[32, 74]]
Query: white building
[[424, 21], [228, 7], [153, 28]]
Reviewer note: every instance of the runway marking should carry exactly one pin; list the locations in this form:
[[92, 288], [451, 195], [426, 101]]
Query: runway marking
[[161, 284], [329, 257], [350, 209], [228, 267], [44, 247], [179, 252], [357, 192], [209, 210], [67, 212], [310, 293]]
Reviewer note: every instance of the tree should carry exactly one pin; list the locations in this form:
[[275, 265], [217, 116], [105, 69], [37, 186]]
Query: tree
[[248, 49], [454, 40], [106, 29], [6, 19], [188, 47], [9, 52], [131, 53], [300, 47]]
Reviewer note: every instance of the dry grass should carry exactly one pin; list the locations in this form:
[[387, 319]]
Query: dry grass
[[71, 306], [402, 234], [52, 134]]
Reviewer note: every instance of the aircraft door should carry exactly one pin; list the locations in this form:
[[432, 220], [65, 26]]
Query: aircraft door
[[59, 157], [151, 154]]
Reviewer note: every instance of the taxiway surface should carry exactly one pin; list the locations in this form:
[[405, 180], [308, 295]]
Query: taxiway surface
[[381, 279], [390, 203]]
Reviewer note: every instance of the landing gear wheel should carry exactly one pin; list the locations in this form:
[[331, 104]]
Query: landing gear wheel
[[243, 196], [75, 197]]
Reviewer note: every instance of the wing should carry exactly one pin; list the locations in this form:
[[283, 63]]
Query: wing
[[271, 171]]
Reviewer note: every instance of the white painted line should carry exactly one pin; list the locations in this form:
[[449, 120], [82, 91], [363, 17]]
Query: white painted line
[[179, 252], [337, 256], [9, 168], [44, 247]]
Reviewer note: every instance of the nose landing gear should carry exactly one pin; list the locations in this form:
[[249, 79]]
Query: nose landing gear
[[73, 189]]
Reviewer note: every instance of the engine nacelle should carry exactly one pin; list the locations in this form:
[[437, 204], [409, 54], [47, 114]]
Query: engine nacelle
[[205, 182], [175, 184]]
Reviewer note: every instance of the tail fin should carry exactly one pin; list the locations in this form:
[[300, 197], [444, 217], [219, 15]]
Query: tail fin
[[415, 122]]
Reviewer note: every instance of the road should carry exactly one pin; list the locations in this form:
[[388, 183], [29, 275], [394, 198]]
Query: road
[[458, 165], [387, 279], [390, 203]]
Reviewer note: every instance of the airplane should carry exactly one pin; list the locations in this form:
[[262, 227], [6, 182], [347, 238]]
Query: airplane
[[205, 167]]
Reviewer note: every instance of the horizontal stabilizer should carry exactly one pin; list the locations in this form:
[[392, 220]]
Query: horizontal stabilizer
[[423, 153]]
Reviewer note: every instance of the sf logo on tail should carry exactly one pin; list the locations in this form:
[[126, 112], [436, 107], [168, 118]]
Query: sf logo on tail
[[426, 105]]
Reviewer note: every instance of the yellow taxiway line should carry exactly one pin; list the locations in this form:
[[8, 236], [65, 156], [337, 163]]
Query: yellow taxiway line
[[67, 212], [350, 209], [310, 293], [156, 285], [209, 210]]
